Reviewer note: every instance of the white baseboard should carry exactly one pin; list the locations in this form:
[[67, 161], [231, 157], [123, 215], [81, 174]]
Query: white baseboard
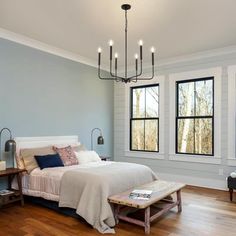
[[195, 181]]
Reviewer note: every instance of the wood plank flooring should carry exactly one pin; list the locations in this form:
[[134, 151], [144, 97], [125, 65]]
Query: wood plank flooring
[[205, 213]]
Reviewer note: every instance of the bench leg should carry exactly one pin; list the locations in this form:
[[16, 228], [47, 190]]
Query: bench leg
[[231, 194], [179, 200], [147, 220]]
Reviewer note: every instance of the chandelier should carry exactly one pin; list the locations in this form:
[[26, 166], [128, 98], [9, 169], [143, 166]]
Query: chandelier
[[138, 71]]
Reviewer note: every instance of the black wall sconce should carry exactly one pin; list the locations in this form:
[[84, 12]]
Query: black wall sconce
[[10, 145], [100, 139]]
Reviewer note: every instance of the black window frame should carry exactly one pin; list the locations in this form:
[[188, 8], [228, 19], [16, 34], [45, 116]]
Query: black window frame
[[144, 118], [194, 117]]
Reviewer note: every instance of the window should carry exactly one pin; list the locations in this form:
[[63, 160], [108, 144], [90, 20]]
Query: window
[[144, 118], [195, 116]]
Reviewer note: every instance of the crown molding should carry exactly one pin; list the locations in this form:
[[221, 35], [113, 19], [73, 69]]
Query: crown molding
[[162, 63], [185, 60], [24, 40], [199, 55]]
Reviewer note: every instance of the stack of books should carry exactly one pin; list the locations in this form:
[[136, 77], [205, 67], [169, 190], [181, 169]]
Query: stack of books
[[140, 194]]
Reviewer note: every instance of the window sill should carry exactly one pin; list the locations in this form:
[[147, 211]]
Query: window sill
[[198, 159], [145, 155], [231, 162]]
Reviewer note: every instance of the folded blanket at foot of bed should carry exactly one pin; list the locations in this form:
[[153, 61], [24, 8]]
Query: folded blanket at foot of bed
[[87, 190]]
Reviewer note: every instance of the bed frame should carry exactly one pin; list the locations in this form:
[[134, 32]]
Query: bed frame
[[37, 142]]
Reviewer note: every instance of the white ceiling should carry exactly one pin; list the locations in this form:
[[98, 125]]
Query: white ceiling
[[174, 27]]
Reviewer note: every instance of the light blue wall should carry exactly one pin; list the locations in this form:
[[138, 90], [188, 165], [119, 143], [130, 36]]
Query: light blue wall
[[42, 94]]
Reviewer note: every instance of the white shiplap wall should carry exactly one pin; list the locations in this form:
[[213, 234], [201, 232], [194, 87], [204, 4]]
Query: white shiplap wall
[[200, 174]]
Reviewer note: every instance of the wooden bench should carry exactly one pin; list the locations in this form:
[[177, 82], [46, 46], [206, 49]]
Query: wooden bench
[[159, 203]]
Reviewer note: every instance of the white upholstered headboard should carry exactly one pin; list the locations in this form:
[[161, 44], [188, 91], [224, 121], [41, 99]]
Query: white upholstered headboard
[[35, 142]]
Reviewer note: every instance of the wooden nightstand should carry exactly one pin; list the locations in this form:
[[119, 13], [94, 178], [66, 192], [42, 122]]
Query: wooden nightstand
[[16, 195], [105, 158]]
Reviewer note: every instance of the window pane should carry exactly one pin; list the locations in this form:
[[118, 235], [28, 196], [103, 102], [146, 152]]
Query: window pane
[[138, 103], [203, 136], [204, 98], [137, 127], [185, 135], [186, 99], [152, 101], [151, 135]]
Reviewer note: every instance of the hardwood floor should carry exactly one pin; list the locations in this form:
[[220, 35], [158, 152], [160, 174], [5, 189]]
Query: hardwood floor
[[205, 212]]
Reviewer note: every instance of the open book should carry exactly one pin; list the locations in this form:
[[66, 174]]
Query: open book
[[5, 192], [140, 194]]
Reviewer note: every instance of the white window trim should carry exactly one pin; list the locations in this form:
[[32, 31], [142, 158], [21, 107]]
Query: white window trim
[[150, 155], [231, 114], [217, 73]]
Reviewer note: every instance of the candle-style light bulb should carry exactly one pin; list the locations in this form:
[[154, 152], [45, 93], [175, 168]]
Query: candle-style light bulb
[[116, 55], [140, 42], [111, 42], [152, 49], [136, 56], [99, 50]]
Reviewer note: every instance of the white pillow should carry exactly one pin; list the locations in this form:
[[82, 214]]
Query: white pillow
[[87, 156], [233, 174]]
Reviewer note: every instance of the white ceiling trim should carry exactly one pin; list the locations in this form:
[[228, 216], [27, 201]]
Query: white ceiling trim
[[21, 39], [188, 58], [199, 55]]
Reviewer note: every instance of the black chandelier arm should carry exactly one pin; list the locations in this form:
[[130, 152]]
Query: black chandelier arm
[[102, 78], [117, 78], [99, 70], [124, 78], [111, 72], [148, 78], [105, 78], [111, 69], [133, 78], [141, 69], [136, 77]]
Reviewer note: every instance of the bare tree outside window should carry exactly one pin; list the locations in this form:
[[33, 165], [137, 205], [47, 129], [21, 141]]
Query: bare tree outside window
[[144, 121], [195, 116]]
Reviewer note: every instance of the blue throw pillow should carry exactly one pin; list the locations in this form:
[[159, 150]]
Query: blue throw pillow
[[51, 160]]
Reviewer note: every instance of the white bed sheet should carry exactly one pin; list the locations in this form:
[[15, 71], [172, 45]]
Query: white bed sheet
[[46, 183]]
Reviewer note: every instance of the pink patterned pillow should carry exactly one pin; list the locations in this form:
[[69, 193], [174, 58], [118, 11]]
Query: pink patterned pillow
[[67, 155]]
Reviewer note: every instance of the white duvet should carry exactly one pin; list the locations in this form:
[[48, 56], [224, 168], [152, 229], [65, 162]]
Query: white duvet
[[46, 183], [88, 189]]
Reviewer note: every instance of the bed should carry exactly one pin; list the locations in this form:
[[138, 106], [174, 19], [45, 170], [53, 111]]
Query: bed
[[83, 187]]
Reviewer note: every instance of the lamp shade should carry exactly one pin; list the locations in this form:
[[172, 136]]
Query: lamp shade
[[10, 146], [100, 140]]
